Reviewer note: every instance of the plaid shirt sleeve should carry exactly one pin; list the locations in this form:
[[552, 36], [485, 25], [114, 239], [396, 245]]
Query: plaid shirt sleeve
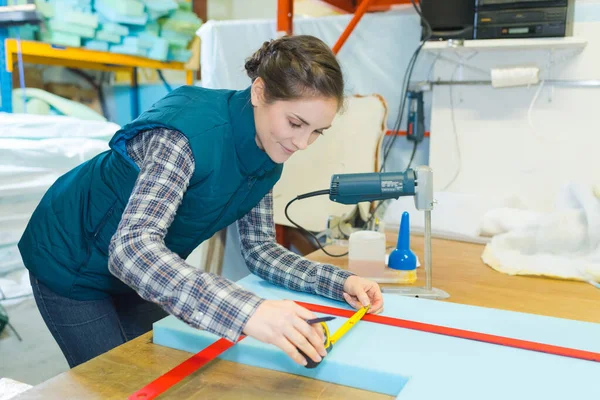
[[280, 266], [138, 255]]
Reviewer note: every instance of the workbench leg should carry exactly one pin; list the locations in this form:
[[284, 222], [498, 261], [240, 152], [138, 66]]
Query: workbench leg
[[5, 76], [135, 94]]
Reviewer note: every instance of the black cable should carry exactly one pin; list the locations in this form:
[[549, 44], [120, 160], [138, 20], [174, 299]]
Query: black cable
[[304, 196], [96, 86], [412, 156], [406, 83], [398, 123], [164, 81]]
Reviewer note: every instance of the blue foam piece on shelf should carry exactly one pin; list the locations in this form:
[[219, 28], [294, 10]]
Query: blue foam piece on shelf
[[97, 45], [159, 50]]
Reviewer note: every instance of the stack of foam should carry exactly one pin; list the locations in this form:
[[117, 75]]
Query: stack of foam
[[67, 28], [179, 29], [158, 29]]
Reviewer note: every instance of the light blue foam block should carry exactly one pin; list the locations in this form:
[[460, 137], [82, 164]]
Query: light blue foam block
[[418, 365]]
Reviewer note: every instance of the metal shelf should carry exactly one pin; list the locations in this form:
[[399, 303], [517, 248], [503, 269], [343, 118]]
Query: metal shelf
[[44, 53], [506, 44]]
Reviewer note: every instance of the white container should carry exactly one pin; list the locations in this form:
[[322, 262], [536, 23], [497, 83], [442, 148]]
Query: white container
[[367, 258], [366, 253]]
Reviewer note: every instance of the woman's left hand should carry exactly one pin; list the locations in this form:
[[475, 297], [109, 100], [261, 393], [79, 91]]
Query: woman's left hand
[[360, 292]]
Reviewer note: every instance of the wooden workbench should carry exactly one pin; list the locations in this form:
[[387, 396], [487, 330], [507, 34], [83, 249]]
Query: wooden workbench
[[457, 268]]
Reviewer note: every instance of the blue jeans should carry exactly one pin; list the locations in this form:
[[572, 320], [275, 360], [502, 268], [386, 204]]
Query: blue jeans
[[86, 329]]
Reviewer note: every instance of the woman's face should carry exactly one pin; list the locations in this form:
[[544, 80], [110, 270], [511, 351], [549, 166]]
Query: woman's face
[[284, 127]]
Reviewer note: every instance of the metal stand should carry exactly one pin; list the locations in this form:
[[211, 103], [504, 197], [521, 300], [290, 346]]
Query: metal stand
[[427, 292]]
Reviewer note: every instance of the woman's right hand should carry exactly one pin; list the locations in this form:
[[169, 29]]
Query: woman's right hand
[[283, 324]]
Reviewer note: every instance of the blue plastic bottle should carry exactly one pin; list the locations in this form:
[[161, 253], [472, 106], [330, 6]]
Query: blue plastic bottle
[[402, 259]]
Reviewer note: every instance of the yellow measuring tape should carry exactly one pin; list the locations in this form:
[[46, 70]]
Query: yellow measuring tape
[[331, 340]]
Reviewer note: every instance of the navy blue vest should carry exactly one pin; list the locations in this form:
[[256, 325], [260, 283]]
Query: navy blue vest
[[65, 244]]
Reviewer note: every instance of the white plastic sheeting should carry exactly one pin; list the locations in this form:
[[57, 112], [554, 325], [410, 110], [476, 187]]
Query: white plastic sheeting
[[34, 152]]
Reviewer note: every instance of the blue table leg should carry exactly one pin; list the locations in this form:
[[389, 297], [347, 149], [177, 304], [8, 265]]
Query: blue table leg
[[135, 94]]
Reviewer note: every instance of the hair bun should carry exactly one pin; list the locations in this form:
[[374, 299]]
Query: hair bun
[[294, 67], [254, 62]]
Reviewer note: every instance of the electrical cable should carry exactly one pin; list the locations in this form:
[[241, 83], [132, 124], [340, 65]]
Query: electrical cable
[[96, 86], [412, 156], [304, 196], [530, 109], [406, 83], [164, 81], [398, 122], [454, 130]]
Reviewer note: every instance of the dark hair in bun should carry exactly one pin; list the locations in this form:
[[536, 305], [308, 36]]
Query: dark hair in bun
[[293, 67]]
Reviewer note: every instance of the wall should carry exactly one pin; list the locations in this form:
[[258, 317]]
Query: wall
[[241, 9], [253, 9], [258, 9], [525, 141]]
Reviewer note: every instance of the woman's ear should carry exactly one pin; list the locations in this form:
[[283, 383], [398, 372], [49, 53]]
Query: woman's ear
[[258, 92]]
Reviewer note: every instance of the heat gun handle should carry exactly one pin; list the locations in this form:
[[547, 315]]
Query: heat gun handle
[[357, 188]]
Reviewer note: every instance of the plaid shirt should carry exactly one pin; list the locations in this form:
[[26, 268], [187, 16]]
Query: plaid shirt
[[138, 255]]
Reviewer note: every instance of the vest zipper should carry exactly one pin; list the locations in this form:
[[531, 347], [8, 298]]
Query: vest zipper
[[250, 182], [104, 220]]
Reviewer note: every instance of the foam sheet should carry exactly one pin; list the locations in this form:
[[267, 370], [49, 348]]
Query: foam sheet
[[418, 365]]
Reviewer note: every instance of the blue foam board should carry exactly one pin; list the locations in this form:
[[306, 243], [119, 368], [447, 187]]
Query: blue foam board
[[418, 365]]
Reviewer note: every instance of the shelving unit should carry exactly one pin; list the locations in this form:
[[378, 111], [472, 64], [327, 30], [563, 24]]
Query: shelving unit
[[507, 44], [47, 54]]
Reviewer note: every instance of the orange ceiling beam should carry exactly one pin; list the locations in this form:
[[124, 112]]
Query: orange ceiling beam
[[350, 6]]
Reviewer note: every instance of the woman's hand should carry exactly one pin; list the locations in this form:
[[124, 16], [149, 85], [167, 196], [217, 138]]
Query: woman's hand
[[283, 324], [360, 292]]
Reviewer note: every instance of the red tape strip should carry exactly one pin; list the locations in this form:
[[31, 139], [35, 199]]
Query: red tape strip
[[459, 333], [169, 379], [186, 368]]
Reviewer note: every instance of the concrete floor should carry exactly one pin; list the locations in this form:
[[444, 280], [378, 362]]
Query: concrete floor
[[37, 357]]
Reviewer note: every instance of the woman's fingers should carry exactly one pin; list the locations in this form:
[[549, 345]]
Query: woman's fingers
[[353, 301], [320, 331], [292, 351], [301, 342], [312, 335]]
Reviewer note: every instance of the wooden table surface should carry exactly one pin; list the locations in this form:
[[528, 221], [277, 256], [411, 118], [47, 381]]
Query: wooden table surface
[[457, 269]]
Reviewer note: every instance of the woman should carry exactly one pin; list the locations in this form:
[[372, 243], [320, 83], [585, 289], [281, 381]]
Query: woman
[[107, 243]]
